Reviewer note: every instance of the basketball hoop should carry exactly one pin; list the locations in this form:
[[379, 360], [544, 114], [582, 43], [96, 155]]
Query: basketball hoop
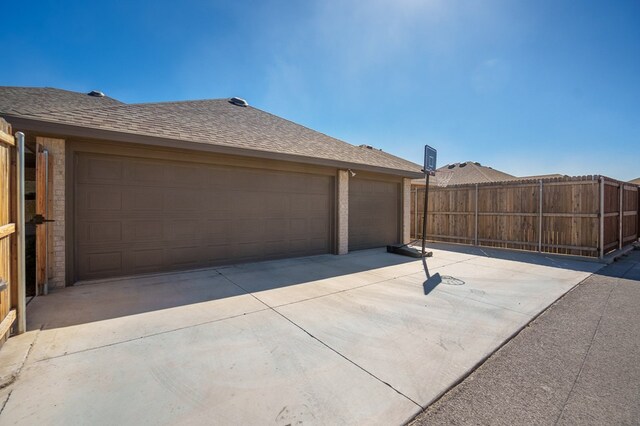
[[443, 178]]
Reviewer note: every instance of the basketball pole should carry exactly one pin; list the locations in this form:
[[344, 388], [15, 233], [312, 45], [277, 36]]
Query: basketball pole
[[424, 217]]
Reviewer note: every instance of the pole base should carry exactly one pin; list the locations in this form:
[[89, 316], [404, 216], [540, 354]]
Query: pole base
[[403, 250]]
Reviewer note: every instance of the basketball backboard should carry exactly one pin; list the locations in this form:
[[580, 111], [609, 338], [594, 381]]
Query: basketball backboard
[[430, 155]]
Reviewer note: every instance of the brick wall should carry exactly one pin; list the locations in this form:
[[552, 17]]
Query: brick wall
[[55, 147], [343, 211]]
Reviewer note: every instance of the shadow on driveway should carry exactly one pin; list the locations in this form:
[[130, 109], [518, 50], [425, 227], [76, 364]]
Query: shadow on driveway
[[120, 297]]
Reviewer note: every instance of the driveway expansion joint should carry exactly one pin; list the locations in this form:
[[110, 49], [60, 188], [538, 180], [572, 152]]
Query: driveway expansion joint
[[325, 344], [150, 335]]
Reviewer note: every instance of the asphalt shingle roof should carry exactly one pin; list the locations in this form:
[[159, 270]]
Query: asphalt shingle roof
[[33, 100], [215, 122], [466, 173]]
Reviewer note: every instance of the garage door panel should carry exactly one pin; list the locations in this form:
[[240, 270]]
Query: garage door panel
[[138, 215], [218, 254], [277, 204], [144, 230], [374, 208], [142, 200], [145, 173], [276, 248], [317, 226], [246, 250], [147, 260], [180, 200], [247, 230], [100, 170], [101, 262], [185, 229], [317, 245], [299, 245], [190, 255], [217, 229], [184, 176], [104, 232], [275, 229]]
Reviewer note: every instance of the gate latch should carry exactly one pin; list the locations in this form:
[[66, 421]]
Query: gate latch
[[39, 219]]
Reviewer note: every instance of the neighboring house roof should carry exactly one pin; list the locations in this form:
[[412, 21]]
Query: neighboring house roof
[[635, 181], [216, 123], [537, 177], [467, 172]]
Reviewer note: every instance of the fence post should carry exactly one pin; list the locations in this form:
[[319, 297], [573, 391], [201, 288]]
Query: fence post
[[540, 219], [20, 235], [621, 221], [601, 236], [475, 239]]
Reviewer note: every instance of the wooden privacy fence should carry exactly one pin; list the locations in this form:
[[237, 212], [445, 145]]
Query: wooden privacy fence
[[558, 215], [7, 232]]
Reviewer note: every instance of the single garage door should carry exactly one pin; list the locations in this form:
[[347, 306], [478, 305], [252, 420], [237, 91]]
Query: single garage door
[[374, 208], [135, 215]]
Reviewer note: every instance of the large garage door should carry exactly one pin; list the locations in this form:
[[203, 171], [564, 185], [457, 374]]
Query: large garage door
[[374, 208], [136, 215]]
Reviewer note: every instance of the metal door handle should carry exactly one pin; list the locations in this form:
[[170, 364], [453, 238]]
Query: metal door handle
[[39, 219]]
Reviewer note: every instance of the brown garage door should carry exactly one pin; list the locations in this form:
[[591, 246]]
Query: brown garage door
[[374, 208], [136, 215]]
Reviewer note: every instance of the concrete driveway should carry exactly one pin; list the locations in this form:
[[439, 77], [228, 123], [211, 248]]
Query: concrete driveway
[[363, 338]]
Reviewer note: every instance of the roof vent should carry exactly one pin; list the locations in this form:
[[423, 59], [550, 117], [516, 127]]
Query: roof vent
[[369, 147], [238, 102], [96, 94]]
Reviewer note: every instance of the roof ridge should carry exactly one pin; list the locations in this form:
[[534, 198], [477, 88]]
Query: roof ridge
[[186, 101], [57, 90], [479, 168]]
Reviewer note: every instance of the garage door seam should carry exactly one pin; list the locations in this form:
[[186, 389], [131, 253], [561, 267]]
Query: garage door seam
[[323, 343]]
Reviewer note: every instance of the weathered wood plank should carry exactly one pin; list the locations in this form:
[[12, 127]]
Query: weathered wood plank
[[6, 230], [7, 139], [6, 323]]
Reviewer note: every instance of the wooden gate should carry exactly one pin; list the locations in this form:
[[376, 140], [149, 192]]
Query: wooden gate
[[43, 212], [7, 231], [12, 300]]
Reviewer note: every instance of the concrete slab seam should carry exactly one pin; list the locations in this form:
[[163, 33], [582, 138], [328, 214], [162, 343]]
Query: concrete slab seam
[[152, 335], [505, 342], [6, 400], [16, 374], [327, 346]]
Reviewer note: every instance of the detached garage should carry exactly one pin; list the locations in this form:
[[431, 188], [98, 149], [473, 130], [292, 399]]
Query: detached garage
[[146, 188]]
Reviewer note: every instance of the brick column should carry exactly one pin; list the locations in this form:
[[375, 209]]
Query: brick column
[[56, 236], [406, 210], [343, 212]]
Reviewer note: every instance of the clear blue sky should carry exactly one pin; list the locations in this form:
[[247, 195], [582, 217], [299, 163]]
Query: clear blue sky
[[527, 87]]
